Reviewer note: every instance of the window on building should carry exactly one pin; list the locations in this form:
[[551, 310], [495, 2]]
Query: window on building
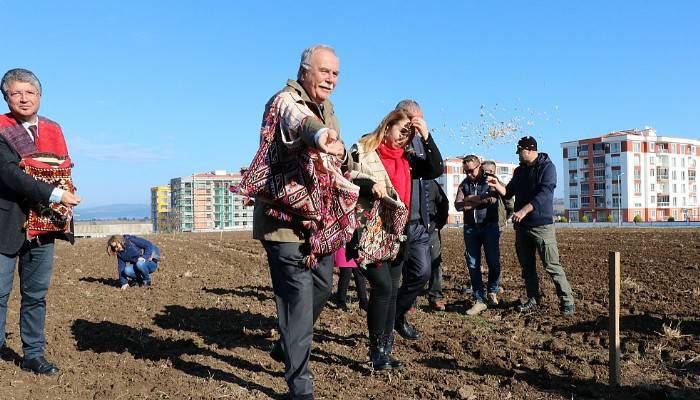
[[637, 174], [637, 159], [652, 187], [572, 164], [674, 188], [615, 160], [583, 150], [682, 162], [571, 151], [615, 147], [675, 201], [652, 172], [652, 199], [652, 160], [637, 188], [673, 161], [682, 187], [636, 147], [573, 203]]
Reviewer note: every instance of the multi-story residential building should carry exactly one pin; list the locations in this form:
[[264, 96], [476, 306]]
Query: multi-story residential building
[[454, 175], [202, 202], [160, 208], [631, 173]]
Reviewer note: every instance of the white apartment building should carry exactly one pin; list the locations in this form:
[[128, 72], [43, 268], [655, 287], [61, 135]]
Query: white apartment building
[[631, 173], [202, 202], [454, 175]]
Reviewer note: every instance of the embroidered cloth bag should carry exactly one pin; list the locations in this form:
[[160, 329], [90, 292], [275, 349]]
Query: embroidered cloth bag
[[301, 184], [382, 234], [54, 217]]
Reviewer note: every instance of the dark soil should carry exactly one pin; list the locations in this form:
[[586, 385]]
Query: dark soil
[[203, 329]]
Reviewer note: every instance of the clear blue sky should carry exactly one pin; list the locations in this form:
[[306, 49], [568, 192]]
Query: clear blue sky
[[151, 90]]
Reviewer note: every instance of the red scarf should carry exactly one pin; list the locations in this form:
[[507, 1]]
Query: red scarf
[[396, 166]]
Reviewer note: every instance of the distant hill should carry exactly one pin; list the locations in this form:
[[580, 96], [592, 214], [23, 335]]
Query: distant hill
[[113, 211]]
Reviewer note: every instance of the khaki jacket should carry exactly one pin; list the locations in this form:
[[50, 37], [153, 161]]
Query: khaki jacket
[[301, 119], [366, 169]]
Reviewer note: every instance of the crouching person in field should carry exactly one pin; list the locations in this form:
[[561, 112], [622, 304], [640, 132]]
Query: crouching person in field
[[137, 259]]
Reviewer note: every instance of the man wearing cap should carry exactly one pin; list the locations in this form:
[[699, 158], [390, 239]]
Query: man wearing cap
[[533, 186]]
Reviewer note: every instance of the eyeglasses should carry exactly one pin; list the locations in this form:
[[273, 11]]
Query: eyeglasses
[[27, 93]]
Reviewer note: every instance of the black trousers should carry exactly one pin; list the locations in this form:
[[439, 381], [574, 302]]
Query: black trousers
[[415, 267], [435, 283], [384, 280], [344, 282], [300, 295]]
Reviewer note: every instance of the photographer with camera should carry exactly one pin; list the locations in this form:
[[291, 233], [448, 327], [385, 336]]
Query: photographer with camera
[[479, 203]]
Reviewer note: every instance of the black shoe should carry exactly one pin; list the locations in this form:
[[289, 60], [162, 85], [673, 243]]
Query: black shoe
[[377, 356], [388, 347], [530, 305], [569, 309], [39, 365], [276, 352], [406, 330]]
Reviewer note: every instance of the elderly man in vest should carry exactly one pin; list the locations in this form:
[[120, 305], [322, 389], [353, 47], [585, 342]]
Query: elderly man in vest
[[22, 134], [306, 119]]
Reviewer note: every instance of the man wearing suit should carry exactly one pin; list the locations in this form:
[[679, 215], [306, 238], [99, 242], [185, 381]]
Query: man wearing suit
[[20, 133]]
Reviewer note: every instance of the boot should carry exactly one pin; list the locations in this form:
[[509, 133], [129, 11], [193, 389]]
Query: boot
[[388, 346], [376, 352]]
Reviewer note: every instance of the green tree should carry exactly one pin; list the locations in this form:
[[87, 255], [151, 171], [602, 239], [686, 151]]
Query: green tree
[[584, 218], [637, 218], [671, 219], [610, 218]]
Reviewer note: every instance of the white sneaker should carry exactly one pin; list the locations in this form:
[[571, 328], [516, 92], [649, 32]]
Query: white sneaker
[[477, 308], [491, 299]]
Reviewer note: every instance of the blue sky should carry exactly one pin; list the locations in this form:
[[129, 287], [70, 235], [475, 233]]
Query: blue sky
[[151, 90]]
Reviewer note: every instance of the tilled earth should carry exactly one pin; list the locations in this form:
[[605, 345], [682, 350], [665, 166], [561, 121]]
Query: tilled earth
[[203, 329]]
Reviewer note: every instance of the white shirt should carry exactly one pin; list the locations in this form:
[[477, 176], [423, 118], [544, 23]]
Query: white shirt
[[57, 193]]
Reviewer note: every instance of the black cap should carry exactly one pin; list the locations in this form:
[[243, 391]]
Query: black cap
[[526, 143]]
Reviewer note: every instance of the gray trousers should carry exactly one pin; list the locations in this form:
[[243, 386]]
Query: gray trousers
[[35, 267], [300, 295], [542, 240]]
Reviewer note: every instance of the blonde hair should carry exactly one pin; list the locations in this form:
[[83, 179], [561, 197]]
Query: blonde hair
[[114, 239], [371, 141]]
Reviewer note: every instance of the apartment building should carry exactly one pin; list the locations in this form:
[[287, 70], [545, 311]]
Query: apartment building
[[454, 175], [160, 208], [202, 202], [625, 174]]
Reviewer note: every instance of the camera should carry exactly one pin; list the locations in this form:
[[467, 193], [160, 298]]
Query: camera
[[485, 174]]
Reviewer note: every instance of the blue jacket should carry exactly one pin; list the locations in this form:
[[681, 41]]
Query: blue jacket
[[534, 184], [134, 247]]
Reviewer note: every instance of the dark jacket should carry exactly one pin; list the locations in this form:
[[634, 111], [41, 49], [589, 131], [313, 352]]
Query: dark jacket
[[438, 205], [534, 184], [17, 192], [487, 212], [426, 164], [134, 247]]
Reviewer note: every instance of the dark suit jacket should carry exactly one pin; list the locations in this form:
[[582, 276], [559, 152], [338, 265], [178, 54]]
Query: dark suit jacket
[[17, 192]]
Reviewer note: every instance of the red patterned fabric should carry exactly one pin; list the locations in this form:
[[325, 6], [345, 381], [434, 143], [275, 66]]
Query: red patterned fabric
[[302, 185], [382, 234], [56, 172], [46, 160]]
